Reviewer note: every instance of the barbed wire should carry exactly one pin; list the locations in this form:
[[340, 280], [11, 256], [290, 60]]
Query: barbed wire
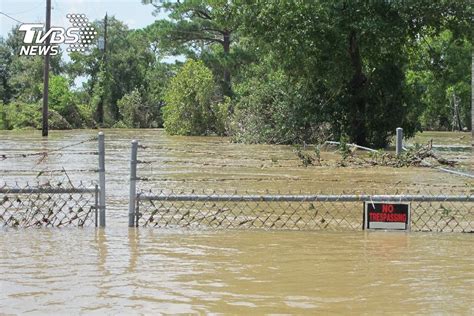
[[43, 154]]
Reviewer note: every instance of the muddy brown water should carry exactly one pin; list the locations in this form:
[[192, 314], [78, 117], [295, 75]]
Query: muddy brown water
[[122, 271]]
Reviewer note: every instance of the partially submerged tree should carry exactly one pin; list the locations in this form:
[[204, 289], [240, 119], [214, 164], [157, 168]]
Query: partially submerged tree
[[189, 108], [354, 54], [128, 60]]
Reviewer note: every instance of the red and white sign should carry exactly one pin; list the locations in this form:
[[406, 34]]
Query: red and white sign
[[386, 215]]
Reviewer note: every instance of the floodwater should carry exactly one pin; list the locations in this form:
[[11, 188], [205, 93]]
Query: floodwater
[[455, 146], [120, 271], [131, 271], [444, 138]]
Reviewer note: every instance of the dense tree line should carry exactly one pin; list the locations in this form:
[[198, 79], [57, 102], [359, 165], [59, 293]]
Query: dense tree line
[[261, 71]]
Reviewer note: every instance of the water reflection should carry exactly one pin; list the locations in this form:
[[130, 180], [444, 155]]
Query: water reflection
[[388, 245], [133, 245], [130, 270]]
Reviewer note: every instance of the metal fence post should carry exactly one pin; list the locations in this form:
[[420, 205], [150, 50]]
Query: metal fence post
[[399, 146], [96, 205], [133, 184], [101, 179]]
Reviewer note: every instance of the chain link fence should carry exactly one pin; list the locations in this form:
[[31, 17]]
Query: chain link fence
[[433, 213], [438, 207], [48, 205], [59, 197], [432, 208]]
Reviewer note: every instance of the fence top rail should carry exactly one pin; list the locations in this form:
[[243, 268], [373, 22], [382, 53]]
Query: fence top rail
[[306, 198], [47, 190]]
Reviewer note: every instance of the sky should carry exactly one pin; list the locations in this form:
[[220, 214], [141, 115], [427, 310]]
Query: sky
[[132, 12]]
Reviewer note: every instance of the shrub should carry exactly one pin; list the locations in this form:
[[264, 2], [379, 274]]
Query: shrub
[[23, 115], [86, 113], [189, 108], [271, 108], [120, 124], [132, 109]]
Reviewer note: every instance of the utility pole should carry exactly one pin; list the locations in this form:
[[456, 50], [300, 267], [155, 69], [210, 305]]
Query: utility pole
[[105, 38], [103, 46], [46, 71]]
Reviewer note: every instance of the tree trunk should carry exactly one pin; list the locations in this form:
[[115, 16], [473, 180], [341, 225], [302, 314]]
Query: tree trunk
[[100, 112], [356, 87], [227, 89]]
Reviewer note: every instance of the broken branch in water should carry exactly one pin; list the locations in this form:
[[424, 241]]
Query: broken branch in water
[[415, 156]]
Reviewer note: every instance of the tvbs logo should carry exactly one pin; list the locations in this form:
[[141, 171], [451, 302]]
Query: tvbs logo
[[79, 36]]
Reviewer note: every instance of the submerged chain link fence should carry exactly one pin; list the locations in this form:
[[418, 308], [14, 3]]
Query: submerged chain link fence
[[433, 213], [55, 200], [48, 205], [433, 207]]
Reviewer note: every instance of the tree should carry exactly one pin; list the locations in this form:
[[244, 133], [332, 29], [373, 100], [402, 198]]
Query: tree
[[20, 76], [129, 58], [135, 113], [189, 108], [20, 84], [441, 68], [272, 107], [198, 25], [354, 53], [156, 81]]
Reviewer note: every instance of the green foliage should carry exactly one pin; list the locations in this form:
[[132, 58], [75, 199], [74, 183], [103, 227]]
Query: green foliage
[[271, 107], [134, 112], [190, 109], [21, 76], [86, 113], [124, 67], [305, 157], [303, 71], [440, 70], [344, 148], [222, 120], [308, 157], [153, 92], [353, 55], [120, 124], [60, 97], [63, 101], [202, 29], [380, 157], [317, 153], [22, 115]]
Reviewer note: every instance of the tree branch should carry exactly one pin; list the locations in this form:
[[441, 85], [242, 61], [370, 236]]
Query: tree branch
[[213, 30], [202, 14], [203, 38]]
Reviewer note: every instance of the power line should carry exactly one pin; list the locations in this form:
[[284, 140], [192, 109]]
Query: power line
[[11, 17], [30, 9]]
